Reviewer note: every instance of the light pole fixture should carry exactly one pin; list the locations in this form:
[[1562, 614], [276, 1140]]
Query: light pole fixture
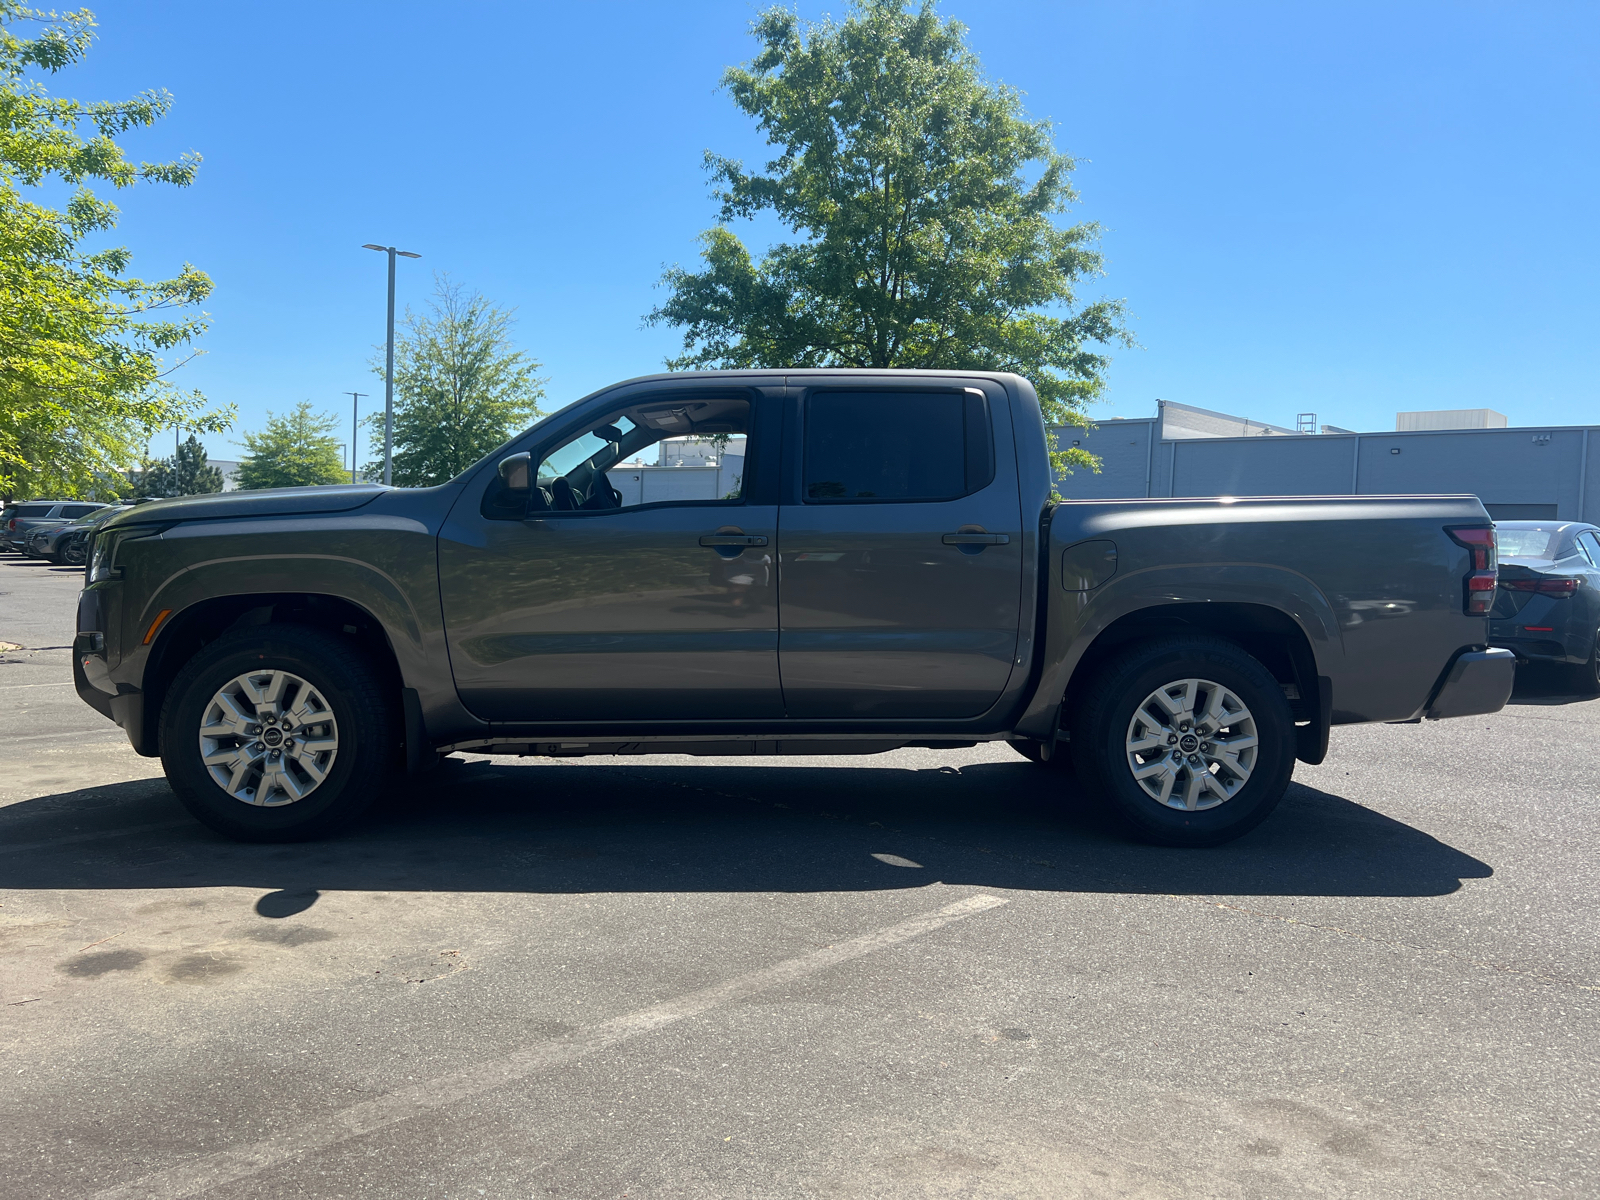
[[388, 366], [355, 436]]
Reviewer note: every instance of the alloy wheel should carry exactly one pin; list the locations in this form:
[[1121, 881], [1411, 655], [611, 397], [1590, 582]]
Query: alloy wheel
[[268, 738], [1192, 744]]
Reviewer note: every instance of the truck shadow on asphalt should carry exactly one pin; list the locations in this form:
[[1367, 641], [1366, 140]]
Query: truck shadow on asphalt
[[1544, 685], [579, 827]]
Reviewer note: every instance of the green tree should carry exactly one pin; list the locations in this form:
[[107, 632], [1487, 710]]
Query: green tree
[[298, 450], [461, 388], [83, 380], [186, 473], [923, 242]]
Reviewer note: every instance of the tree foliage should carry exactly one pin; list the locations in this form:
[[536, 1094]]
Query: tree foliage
[[186, 473], [83, 380], [925, 200], [297, 450], [461, 387]]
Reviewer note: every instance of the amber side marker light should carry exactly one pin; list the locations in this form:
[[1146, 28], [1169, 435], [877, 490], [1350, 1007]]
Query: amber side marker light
[[161, 616]]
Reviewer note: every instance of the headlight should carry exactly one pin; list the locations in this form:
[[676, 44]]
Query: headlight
[[105, 543], [100, 548]]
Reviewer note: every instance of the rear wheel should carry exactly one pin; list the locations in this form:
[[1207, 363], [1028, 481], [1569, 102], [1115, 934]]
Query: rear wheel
[[1190, 739], [278, 733]]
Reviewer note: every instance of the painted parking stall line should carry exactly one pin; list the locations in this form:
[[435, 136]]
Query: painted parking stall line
[[225, 1166]]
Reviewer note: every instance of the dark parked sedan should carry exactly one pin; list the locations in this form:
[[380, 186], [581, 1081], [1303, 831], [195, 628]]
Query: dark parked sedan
[[1547, 607]]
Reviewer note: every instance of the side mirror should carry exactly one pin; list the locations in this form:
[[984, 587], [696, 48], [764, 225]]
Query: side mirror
[[516, 471]]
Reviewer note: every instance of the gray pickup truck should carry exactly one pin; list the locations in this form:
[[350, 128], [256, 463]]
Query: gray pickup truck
[[875, 562]]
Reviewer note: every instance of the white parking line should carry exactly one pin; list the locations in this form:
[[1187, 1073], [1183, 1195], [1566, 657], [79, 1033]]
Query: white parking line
[[225, 1166], [14, 687]]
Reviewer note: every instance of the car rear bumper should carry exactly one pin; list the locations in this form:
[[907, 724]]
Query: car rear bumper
[[1529, 650], [1557, 632], [1478, 682]]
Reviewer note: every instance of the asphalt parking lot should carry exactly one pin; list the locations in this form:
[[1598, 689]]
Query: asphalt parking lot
[[910, 975]]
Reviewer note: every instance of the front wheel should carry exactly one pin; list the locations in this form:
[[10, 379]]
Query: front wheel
[[1189, 738], [278, 733]]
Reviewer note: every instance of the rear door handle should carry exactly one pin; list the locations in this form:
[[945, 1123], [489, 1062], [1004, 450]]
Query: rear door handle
[[976, 539], [733, 539]]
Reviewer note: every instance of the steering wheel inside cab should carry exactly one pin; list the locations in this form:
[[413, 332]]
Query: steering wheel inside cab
[[584, 487]]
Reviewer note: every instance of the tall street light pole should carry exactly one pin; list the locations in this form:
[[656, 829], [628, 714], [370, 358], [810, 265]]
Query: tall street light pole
[[355, 436], [388, 366]]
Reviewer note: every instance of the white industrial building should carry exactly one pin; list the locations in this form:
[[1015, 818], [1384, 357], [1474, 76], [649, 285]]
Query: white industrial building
[[684, 468], [1520, 473]]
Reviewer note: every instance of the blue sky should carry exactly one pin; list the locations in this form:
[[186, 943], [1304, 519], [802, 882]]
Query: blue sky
[[1344, 208]]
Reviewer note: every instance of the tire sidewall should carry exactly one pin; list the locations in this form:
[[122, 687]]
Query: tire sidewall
[[358, 767], [1586, 675], [1128, 683]]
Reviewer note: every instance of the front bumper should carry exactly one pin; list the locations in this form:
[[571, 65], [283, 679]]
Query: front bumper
[[1478, 682]]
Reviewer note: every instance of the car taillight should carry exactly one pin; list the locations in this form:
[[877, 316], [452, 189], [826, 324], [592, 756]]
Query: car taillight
[[1558, 585], [1480, 583]]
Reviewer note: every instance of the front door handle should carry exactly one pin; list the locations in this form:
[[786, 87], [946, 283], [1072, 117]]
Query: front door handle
[[733, 539]]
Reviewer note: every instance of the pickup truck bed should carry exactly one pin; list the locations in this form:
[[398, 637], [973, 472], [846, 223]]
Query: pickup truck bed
[[888, 568]]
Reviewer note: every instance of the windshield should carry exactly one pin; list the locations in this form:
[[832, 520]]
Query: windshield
[[1525, 543]]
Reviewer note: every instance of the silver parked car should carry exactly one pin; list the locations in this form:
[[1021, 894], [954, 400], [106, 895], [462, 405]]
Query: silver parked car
[[41, 514]]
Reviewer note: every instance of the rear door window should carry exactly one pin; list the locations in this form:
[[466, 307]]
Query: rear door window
[[73, 511], [866, 447]]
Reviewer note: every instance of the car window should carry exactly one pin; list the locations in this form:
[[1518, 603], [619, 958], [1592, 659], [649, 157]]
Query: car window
[[1591, 546], [33, 510], [678, 451], [73, 511], [864, 447], [1524, 543]]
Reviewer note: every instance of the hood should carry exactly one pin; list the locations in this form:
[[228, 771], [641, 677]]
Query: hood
[[269, 502]]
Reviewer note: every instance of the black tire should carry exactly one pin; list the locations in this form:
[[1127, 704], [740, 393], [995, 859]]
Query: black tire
[[1102, 725], [366, 723], [76, 553], [1584, 678]]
